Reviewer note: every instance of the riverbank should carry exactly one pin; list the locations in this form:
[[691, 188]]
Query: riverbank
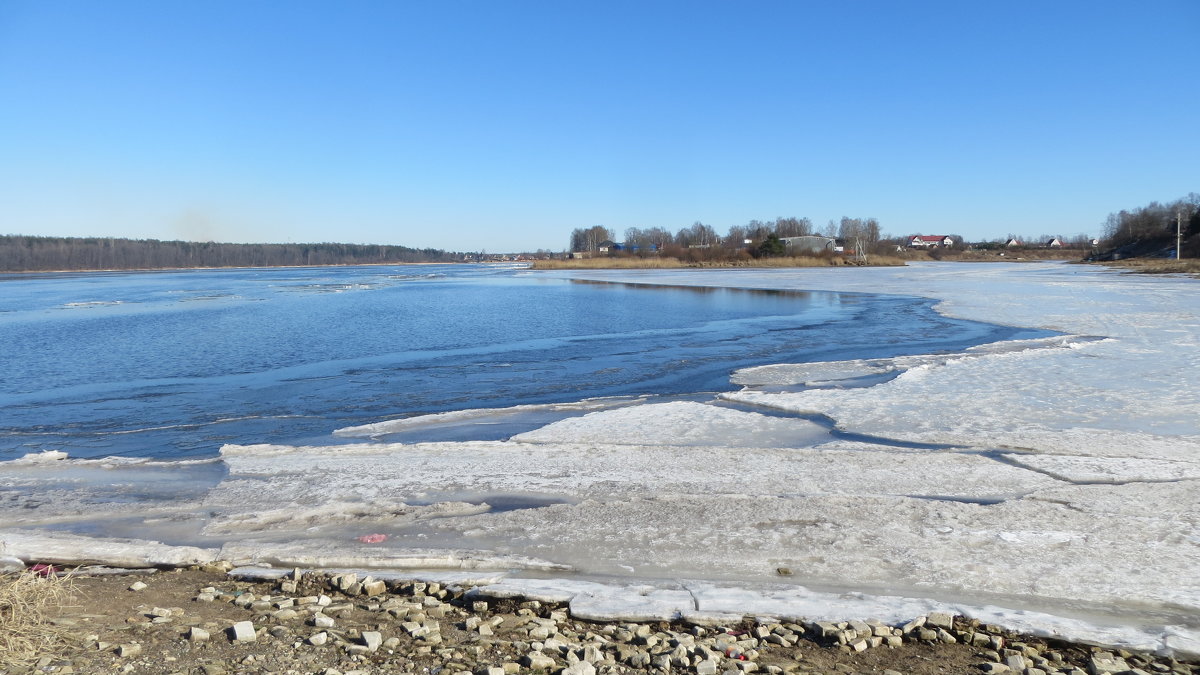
[[208, 619], [898, 260], [1156, 265], [675, 263]]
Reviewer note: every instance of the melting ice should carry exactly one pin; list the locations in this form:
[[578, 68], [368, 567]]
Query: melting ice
[[1050, 484]]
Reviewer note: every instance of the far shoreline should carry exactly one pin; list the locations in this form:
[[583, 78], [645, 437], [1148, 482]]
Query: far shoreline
[[1130, 265], [787, 262], [251, 267]]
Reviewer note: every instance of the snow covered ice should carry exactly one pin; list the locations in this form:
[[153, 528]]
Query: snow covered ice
[[1051, 485]]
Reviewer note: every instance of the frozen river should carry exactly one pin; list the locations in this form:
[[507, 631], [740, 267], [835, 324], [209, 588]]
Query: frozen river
[[1048, 483]]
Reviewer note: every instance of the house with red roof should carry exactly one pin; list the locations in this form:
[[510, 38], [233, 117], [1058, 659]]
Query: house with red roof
[[930, 241]]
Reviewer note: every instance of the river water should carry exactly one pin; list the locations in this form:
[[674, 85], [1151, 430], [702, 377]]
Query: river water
[[172, 365]]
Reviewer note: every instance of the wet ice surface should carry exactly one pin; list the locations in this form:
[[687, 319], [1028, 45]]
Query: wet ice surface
[[1048, 484]]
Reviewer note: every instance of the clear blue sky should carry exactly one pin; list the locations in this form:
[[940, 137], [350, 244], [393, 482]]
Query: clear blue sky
[[504, 125]]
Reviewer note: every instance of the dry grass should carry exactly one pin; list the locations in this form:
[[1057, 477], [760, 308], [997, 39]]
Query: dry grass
[[1157, 265], [607, 263], [27, 603], [885, 261], [783, 261]]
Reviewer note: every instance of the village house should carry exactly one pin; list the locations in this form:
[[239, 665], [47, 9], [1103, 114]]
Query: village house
[[930, 241]]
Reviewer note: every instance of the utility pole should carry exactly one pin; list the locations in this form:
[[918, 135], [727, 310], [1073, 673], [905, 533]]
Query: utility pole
[[1178, 235]]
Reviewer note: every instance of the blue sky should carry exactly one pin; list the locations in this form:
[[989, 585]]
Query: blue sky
[[502, 126]]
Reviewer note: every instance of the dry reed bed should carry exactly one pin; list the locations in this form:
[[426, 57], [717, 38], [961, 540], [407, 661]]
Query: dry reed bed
[[27, 603], [1157, 265]]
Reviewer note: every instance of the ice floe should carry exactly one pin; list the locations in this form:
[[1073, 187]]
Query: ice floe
[[44, 457]]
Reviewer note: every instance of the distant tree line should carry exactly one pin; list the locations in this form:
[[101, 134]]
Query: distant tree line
[[700, 241], [1154, 225], [33, 254]]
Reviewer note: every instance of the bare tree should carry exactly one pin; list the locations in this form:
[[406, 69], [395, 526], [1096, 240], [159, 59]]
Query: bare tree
[[589, 239], [736, 237], [698, 235], [758, 230], [793, 227]]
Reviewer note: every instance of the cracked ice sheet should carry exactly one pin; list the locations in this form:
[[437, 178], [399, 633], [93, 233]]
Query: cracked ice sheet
[[801, 603], [722, 604], [262, 478], [321, 553], [1126, 395], [1109, 469], [1023, 553], [827, 372], [1177, 503], [56, 489], [341, 513], [1059, 400]]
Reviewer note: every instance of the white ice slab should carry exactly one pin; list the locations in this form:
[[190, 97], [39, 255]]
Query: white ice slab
[[1049, 551], [335, 512], [480, 415], [349, 554], [69, 549], [460, 579], [825, 372], [634, 603], [681, 423], [542, 590], [723, 604], [402, 472]]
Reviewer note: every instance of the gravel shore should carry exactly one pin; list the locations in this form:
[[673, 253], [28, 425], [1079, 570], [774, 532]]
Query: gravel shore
[[204, 620]]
